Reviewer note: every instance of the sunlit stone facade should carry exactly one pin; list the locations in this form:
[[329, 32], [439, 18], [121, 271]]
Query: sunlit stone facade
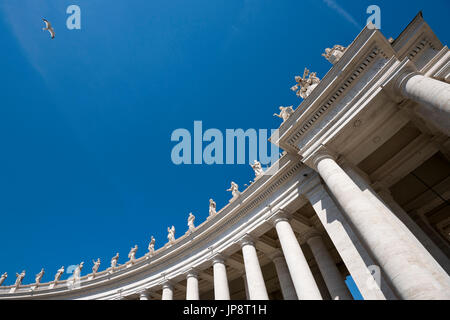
[[361, 187]]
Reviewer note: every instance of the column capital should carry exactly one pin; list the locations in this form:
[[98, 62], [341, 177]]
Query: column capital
[[143, 293], [322, 152], [275, 255], [167, 284], [394, 83], [246, 239], [191, 273], [218, 258], [278, 216], [308, 235]]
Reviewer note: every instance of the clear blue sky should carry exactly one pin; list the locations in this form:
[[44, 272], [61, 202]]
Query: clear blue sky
[[86, 118]]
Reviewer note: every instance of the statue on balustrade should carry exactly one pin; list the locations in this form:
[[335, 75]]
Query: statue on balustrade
[[151, 247], [334, 54], [39, 276], [132, 254], [212, 207], [96, 266], [191, 219], [256, 166], [171, 235], [306, 84], [114, 261], [234, 190], [285, 113], [59, 274], [19, 278], [77, 271], [3, 278]]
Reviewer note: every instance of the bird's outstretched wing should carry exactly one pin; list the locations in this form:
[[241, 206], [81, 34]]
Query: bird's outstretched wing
[[49, 27], [47, 24], [52, 32]]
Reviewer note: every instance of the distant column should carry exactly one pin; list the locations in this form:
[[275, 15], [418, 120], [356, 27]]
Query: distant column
[[255, 280], [330, 273], [192, 285], [301, 275], [221, 290], [244, 278], [286, 285], [167, 292], [143, 295]]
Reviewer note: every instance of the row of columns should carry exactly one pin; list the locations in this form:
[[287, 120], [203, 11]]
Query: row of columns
[[294, 275], [410, 269], [364, 231]]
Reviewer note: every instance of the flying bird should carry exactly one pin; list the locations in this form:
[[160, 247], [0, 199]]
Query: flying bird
[[49, 27]]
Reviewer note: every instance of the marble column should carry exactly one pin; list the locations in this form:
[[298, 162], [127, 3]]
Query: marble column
[[301, 275], [421, 252], [432, 95], [255, 281], [143, 295], [353, 253], [421, 236], [333, 279], [286, 285], [410, 276], [244, 278], [221, 290], [167, 291], [192, 292]]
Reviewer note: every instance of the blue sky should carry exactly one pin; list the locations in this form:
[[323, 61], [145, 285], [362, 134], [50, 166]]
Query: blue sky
[[86, 118]]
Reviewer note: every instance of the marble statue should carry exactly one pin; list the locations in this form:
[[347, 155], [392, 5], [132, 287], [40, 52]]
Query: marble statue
[[96, 266], [151, 247], [77, 271], [39, 276], [305, 85], [59, 274], [334, 54], [114, 261], [132, 254], [171, 235], [19, 278], [256, 166], [285, 113], [212, 207], [191, 219], [234, 190], [3, 278]]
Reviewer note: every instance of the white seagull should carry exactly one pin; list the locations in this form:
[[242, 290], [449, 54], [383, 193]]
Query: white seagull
[[49, 27]]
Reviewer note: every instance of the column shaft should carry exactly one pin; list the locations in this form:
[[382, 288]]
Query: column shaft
[[433, 96], [411, 277], [221, 290], [192, 292], [330, 273], [255, 280], [302, 277], [286, 285], [350, 248], [167, 292], [244, 278], [421, 236]]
